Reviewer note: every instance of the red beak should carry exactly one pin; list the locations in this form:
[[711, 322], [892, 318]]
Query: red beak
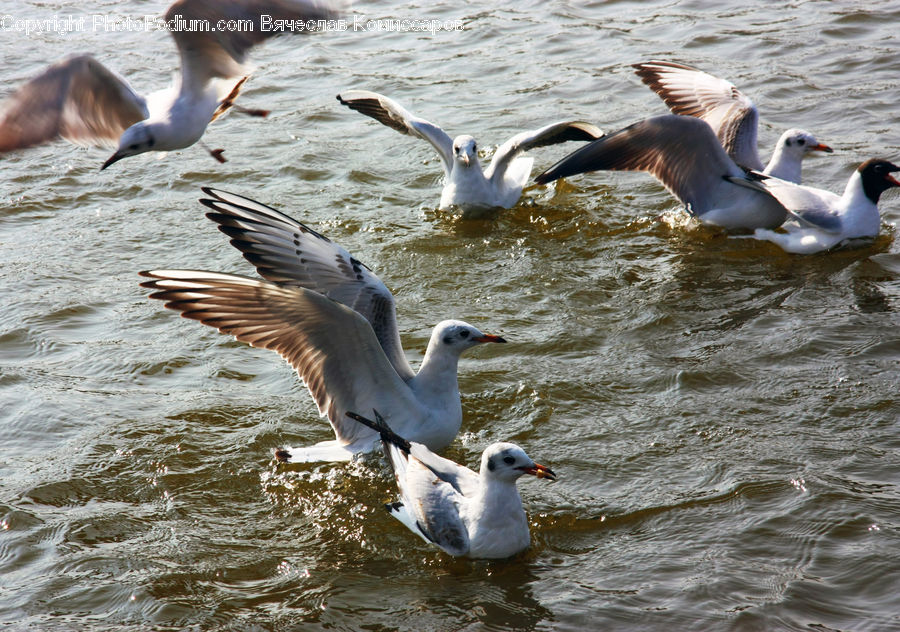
[[541, 471], [823, 147], [489, 338]]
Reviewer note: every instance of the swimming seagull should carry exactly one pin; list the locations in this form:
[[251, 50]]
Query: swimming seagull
[[333, 320], [715, 190], [450, 506], [731, 114], [82, 101], [465, 184], [820, 220]]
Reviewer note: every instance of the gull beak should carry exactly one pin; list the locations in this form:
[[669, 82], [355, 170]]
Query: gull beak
[[489, 338], [541, 471], [822, 147], [116, 157], [464, 158], [892, 180]]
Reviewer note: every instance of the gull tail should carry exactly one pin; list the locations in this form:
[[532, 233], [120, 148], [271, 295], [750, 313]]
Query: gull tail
[[324, 451]]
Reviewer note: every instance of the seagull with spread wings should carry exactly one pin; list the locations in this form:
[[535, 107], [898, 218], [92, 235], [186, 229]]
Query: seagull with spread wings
[[466, 185], [81, 100], [333, 320]]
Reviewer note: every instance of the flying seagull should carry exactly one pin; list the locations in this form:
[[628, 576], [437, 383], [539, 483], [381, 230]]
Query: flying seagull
[[466, 186], [82, 101]]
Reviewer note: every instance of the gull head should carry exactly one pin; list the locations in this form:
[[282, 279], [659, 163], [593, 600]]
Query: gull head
[[465, 150], [455, 336], [876, 177], [800, 142], [507, 462], [137, 139]]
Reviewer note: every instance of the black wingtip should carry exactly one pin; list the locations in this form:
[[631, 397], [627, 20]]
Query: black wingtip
[[282, 455], [380, 426]]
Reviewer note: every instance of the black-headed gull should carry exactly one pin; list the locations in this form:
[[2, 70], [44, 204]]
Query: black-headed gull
[[333, 320], [82, 101], [732, 115], [466, 186], [820, 220], [477, 515]]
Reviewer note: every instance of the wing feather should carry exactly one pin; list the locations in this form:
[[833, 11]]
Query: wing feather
[[331, 347], [289, 253], [552, 134], [388, 112], [692, 92], [77, 99]]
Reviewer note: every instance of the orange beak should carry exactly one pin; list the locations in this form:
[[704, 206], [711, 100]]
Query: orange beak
[[822, 147], [541, 471], [489, 338], [892, 180]]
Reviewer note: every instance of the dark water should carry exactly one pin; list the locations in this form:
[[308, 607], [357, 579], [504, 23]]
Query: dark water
[[723, 417]]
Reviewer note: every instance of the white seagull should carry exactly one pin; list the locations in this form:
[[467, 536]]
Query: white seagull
[[450, 506], [333, 320], [466, 186], [732, 115], [820, 220], [82, 101]]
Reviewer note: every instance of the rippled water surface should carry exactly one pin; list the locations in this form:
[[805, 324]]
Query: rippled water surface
[[723, 417]]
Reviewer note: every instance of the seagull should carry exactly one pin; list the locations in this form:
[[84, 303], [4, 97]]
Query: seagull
[[450, 506], [82, 101], [684, 154], [333, 320], [820, 220], [466, 186], [731, 114]]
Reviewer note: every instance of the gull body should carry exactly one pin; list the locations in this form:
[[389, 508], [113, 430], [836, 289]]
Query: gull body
[[333, 320], [732, 115], [466, 185], [464, 513], [820, 220]]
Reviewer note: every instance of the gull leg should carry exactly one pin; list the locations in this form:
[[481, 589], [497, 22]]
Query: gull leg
[[215, 153]]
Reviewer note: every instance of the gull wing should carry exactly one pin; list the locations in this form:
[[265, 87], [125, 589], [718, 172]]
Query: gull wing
[[288, 253], [332, 347], [428, 505], [552, 134], [692, 92], [212, 52], [680, 151], [814, 208], [388, 112], [77, 99]]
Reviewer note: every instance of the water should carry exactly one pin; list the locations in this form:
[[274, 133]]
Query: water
[[722, 416]]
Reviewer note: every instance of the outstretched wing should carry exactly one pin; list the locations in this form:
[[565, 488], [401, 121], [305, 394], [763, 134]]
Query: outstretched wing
[[692, 92], [77, 99], [680, 151], [288, 253], [388, 112], [331, 347], [552, 134], [208, 52]]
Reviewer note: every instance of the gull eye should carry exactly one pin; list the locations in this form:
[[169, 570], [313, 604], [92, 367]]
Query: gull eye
[[801, 142], [464, 334], [788, 142], [509, 460], [448, 340], [133, 146]]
